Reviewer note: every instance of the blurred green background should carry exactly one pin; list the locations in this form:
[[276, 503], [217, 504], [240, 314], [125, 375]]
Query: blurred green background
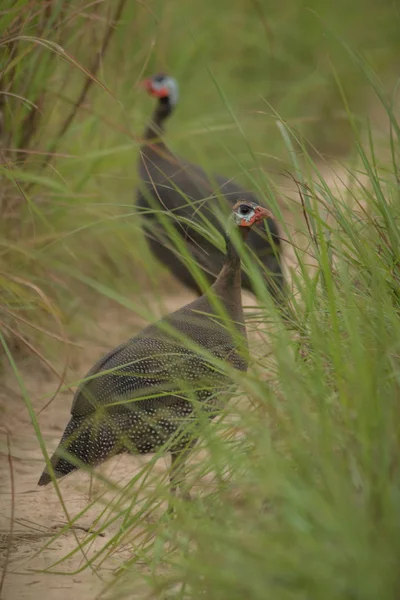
[[252, 59], [69, 143]]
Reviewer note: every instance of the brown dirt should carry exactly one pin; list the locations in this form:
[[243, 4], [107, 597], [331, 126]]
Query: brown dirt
[[38, 514], [37, 511]]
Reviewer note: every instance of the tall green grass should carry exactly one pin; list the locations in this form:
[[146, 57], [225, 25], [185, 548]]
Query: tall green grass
[[297, 490], [72, 116], [298, 495]]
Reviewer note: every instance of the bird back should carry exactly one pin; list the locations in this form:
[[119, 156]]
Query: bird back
[[154, 365]]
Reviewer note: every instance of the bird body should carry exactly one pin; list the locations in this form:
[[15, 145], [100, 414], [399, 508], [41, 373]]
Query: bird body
[[184, 190], [147, 392]]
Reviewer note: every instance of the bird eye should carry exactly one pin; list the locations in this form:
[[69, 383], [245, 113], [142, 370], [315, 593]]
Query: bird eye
[[244, 210]]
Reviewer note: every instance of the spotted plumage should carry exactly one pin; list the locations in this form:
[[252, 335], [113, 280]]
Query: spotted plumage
[[147, 392]]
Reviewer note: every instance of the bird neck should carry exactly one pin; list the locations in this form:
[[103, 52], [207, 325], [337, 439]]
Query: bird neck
[[155, 128], [229, 280]]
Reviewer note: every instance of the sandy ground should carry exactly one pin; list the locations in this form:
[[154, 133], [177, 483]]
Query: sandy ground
[[36, 513]]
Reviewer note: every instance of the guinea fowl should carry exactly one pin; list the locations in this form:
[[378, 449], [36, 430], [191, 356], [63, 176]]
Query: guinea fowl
[[170, 183], [145, 394]]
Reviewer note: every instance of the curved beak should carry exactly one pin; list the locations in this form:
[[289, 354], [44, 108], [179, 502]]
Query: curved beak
[[262, 213]]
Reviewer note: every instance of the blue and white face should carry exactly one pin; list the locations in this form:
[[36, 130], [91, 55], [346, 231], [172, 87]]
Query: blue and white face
[[246, 214], [163, 86]]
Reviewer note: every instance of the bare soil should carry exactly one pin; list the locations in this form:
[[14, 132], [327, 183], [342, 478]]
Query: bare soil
[[37, 513], [31, 516]]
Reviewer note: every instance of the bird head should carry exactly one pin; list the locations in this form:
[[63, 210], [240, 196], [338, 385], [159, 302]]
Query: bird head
[[162, 86], [247, 214]]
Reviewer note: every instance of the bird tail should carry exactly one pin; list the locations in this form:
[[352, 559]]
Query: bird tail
[[70, 443], [87, 441], [61, 467]]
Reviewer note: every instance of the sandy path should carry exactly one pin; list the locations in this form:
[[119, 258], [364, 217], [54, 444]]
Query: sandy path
[[38, 514], [38, 511]]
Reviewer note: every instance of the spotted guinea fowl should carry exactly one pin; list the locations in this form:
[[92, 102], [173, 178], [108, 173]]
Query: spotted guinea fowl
[[184, 190], [146, 393]]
